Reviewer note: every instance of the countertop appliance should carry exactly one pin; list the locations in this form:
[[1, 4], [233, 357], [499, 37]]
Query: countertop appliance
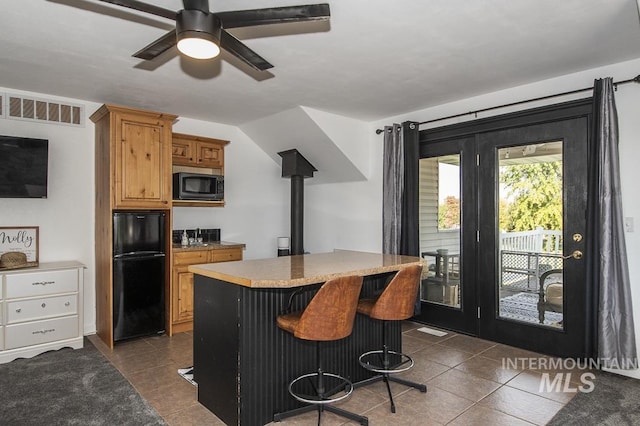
[[138, 274], [197, 186]]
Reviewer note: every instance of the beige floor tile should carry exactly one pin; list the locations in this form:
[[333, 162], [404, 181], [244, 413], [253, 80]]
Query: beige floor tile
[[523, 405], [411, 345], [504, 353], [168, 400], [463, 384], [557, 388], [478, 415], [193, 415], [468, 344], [487, 368], [436, 406], [444, 355]]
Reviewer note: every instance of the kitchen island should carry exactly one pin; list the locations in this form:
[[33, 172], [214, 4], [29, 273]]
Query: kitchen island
[[242, 361]]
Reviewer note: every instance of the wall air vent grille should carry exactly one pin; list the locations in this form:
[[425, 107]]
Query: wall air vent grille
[[18, 107]]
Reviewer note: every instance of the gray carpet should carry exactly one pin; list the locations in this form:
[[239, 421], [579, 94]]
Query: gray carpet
[[615, 400], [70, 387]]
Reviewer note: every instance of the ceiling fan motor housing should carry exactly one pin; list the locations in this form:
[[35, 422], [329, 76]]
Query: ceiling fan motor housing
[[198, 23]]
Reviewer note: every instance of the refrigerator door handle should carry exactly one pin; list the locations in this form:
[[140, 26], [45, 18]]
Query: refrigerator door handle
[[138, 255]]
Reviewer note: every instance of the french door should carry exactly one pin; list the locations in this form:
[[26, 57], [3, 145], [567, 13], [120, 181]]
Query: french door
[[502, 230]]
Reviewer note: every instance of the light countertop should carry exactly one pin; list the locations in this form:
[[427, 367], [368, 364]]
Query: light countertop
[[295, 271]]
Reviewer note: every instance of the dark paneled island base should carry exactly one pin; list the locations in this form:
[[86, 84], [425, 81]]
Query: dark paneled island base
[[243, 362]]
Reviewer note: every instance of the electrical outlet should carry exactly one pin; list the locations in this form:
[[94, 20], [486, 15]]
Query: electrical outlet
[[628, 224]]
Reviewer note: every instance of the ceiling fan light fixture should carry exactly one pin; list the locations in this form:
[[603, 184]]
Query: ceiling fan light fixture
[[196, 34], [196, 45]]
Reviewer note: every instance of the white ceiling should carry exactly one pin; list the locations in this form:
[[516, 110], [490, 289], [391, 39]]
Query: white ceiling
[[375, 59]]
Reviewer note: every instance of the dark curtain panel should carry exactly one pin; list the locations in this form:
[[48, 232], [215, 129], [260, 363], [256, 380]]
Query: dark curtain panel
[[410, 236], [616, 345], [392, 188], [400, 191]]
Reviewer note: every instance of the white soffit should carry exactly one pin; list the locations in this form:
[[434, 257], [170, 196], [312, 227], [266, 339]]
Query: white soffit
[[295, 129]]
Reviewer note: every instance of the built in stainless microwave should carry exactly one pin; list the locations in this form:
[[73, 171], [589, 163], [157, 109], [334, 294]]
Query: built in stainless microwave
[[196, 186]]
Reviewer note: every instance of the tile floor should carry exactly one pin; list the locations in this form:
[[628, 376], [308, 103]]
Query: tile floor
[[466, 381]]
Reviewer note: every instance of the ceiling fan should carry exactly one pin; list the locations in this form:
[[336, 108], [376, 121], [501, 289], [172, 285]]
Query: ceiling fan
[[200, 33]]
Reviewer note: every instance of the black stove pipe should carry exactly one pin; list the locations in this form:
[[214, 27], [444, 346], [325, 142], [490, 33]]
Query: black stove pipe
[[297, 214], [296, 167]]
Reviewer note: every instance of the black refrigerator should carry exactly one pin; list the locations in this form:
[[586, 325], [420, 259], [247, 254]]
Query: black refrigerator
[[138, 274]]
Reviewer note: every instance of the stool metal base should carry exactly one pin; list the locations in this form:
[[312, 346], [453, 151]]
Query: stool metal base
[[319, 401], [386, 362], [389, 362]]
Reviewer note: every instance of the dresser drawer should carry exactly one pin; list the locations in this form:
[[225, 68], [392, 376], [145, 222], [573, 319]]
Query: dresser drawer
[[46, 307], [1, 312], [226, 255], [40, 283], [190, 257], [36, 332], [1, 338]]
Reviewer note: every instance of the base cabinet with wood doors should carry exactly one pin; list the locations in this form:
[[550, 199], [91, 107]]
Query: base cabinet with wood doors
[[41, 309], [182, 281]]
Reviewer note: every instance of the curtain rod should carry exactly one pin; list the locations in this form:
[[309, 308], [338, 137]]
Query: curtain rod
[[636, 79]]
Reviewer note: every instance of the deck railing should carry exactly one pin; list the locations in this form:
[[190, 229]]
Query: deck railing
[[538, 241], [525, 255]]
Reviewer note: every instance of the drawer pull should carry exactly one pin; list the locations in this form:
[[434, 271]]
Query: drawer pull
[[67, 303], [19, 310], [44, 305], [50, 330], [43, 283]]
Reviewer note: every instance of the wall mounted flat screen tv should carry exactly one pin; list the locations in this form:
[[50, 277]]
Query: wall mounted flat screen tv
[[23, 167]]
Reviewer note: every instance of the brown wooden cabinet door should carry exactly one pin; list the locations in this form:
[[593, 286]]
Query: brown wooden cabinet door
[[209, 155], [142, 163], [182, 295], [182, 152]]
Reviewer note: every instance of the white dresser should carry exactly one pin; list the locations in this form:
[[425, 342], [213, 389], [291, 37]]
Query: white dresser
[[40, 309]]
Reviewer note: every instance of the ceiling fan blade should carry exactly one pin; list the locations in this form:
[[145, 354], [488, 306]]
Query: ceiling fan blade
[[274, 15], [144, 7], [241, 51], [158, 47]]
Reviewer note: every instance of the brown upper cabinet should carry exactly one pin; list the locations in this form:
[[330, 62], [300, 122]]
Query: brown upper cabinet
[[198, 151], [133, 157]]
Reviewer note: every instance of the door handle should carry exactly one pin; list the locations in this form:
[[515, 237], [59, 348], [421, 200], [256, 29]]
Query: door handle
[[577, 254]]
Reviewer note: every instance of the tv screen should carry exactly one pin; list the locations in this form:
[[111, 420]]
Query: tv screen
[[23, 167]]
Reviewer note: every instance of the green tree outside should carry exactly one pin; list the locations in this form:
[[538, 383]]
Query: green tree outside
[[449, 213], [534, 192]]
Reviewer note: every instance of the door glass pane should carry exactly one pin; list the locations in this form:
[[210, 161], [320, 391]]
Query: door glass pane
[[440, 229], [530, 209]]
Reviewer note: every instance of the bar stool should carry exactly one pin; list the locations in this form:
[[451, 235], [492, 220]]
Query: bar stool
[[396, 303], [329, 316]]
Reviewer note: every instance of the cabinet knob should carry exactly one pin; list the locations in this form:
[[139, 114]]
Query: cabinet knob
[[67, 304], [43, 305], [19, 310]]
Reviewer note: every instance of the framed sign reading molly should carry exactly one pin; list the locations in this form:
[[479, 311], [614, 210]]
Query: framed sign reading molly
[[18, 247]]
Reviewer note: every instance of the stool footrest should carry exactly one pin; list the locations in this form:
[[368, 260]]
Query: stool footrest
[[335, 388], [385, 362]]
